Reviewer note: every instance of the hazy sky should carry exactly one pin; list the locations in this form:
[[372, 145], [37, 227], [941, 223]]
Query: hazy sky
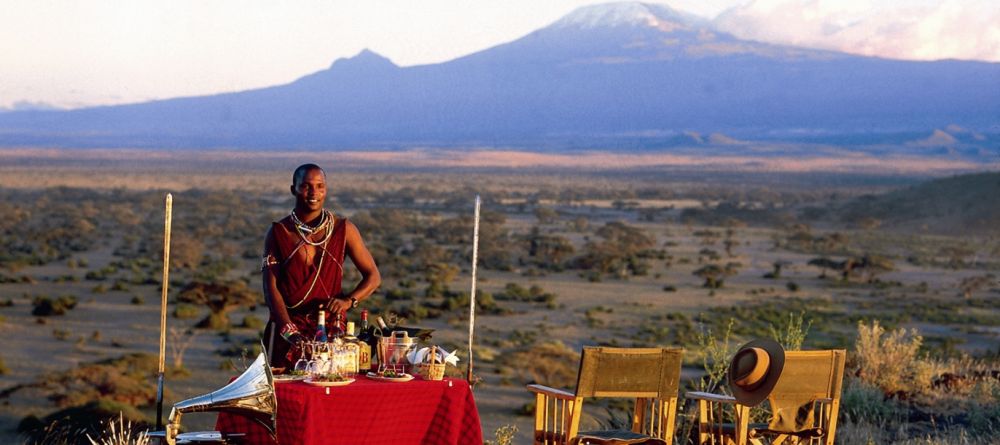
[[73, 53]]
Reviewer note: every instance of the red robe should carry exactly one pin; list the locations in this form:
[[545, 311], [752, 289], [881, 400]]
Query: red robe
[[306, 286]]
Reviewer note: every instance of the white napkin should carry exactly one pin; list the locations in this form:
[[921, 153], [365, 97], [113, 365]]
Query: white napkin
[[416, 356]]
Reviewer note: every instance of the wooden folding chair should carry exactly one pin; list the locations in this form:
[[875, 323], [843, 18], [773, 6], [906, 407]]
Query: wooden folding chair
[[804, 405], [649, 375]]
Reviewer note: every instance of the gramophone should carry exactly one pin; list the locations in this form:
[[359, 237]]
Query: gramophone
[[250, 395]]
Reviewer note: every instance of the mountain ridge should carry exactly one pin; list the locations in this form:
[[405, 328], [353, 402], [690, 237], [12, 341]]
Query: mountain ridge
[[562, 86]]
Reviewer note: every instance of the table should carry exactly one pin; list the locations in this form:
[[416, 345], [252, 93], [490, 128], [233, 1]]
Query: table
[[368, 412]]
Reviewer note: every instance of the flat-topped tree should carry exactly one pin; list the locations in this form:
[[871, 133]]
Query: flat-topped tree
[[220, 298]]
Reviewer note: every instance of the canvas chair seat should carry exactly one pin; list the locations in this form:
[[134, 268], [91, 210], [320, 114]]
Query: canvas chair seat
[[649, 376]]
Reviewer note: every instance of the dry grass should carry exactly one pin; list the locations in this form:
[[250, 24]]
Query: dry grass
[[889, 360], [120, 433]]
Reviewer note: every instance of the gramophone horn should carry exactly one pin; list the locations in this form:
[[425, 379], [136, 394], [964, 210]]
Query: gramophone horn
[[250, 395]]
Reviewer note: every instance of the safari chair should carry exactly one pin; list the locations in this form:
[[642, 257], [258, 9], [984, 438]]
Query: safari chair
[[649, 375], [804, 405]]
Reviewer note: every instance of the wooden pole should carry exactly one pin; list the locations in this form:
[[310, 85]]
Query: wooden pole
[[163, 310], [472, 294]]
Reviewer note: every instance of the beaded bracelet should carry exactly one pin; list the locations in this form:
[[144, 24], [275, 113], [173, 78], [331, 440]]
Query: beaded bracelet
[[288, 330]]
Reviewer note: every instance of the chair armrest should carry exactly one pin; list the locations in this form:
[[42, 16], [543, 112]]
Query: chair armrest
[[710, 397], [824, 400], [551, 392]]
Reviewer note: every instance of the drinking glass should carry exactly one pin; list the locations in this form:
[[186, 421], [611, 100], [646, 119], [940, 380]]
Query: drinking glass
[[305, 354]]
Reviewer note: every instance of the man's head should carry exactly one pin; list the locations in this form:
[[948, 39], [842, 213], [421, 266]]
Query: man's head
[[309, 187]]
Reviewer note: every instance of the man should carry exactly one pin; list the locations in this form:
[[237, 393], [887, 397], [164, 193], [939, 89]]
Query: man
[[303, 266]]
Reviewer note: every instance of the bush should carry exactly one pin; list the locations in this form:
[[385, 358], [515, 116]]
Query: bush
[[792, 286], [45, 306], [252, 322], [185, 311], [138, 300], [889, 361]]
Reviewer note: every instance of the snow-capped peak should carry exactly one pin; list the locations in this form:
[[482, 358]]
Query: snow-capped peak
[[625, 14]]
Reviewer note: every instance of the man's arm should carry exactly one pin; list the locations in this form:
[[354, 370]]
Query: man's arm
[[362, 259], [275, 301]]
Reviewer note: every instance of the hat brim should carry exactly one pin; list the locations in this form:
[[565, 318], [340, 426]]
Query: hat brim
[[776, 355]]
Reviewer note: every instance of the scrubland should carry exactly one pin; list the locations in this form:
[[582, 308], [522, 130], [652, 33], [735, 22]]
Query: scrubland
[[703, 260]]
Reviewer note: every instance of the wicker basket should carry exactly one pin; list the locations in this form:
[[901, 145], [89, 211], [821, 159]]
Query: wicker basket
[[430, 371]]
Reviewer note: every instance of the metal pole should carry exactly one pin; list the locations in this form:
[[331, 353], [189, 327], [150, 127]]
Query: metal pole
[[472, 294], [163, 310]]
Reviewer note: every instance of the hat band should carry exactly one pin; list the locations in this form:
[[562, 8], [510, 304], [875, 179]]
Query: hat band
[[762, 362]]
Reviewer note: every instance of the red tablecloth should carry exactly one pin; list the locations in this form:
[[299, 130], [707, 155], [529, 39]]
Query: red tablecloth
[[369, 412]]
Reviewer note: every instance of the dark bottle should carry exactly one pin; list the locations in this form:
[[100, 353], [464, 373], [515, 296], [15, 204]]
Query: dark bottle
[[367, 336]]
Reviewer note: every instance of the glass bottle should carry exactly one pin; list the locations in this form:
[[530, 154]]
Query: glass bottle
[[320, 335], [363, 351]]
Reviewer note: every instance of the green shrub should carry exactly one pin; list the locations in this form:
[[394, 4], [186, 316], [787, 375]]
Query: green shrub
[[252, 322], [138, 300], [45, 306], [186, 311]]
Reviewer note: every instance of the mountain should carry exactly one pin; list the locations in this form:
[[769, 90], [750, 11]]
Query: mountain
[[622, 75]]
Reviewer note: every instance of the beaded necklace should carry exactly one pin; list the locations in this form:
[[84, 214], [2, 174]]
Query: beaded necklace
[[302, 229], [305, 231]]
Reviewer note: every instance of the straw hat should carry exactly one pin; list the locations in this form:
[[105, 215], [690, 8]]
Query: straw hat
[[755, 369]]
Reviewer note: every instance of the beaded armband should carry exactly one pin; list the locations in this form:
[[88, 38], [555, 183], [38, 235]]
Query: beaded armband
[[288, 330], [267, 261]]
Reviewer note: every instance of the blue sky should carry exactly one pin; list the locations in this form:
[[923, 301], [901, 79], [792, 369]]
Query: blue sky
[[73, 53]]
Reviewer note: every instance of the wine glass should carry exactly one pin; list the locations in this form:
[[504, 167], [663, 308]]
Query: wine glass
[[306, 353], [320, 362]]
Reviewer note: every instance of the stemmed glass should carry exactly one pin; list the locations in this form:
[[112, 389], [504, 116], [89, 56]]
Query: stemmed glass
[[302, 364], [320, 362]]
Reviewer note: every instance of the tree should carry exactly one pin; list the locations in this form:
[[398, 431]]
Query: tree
[[875, 265], [775, 273], [824, 263], [620, 252], [546, 251], [713, 274], [220, 298]]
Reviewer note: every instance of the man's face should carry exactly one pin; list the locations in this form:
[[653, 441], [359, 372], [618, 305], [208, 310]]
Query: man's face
[[310, 192]]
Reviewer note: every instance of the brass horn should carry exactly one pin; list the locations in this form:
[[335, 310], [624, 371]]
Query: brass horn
[[250, 395]]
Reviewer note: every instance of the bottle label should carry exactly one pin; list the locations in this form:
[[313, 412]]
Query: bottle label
[[364, 357]]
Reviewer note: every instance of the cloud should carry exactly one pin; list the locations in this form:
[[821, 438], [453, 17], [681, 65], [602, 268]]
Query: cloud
[[916, 30]]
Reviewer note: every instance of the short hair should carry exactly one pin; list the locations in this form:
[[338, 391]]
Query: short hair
[[300, 172]]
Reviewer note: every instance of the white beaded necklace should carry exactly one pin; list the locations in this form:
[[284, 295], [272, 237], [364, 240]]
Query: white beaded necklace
[[304, 230]]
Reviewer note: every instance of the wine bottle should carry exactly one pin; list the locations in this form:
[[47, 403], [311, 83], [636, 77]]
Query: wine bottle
[[321, 328], [338, 327], [367, 336], [362, 350]]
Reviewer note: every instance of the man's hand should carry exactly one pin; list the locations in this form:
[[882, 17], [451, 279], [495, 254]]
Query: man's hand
[[341, 304]]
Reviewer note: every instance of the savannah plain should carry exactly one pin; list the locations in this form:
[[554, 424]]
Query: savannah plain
[[606, 251]]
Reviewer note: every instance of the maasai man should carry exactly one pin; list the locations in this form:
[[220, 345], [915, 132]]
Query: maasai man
[[303, 265]]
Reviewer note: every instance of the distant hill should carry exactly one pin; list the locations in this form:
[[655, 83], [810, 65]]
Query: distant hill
[[625, 76], [961, 204]]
